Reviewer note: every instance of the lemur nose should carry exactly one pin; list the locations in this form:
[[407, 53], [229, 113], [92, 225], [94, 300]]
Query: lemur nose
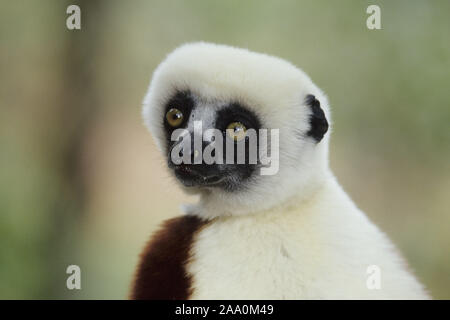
[[195, 154]]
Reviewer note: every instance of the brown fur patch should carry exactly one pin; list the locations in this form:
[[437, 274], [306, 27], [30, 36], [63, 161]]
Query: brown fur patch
[[161, 273]]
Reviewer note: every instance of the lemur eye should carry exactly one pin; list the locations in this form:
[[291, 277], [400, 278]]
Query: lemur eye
[[236, 131], [174, 117]]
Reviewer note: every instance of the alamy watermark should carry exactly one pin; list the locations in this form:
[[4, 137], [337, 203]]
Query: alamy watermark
[[373, 22], [73, 22], [74, 280], [373, 281], [261, 150]]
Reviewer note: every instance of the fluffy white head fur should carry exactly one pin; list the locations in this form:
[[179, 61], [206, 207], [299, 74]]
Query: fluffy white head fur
[[273, 89]]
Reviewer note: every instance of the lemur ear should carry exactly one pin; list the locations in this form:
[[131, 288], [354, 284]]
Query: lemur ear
[[317, 119]]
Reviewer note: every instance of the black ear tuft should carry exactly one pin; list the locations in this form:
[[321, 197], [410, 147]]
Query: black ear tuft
[[317, 120]]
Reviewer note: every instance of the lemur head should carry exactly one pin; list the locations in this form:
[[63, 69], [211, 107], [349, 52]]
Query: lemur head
[[204, 101]]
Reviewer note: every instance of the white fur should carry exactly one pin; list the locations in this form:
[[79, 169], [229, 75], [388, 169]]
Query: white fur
[[293, 235], [314, 249]]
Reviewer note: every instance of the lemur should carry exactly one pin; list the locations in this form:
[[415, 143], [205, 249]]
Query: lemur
[[294, 234]]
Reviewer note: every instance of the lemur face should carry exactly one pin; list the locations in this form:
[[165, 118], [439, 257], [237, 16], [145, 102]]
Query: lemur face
[[188, 117], [202, 93]]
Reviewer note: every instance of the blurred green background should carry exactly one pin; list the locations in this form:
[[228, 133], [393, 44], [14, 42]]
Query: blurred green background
[[80, 179]]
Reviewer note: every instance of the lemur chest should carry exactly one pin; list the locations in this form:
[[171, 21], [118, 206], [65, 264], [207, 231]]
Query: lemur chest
[[262, 260], [251, 258]]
